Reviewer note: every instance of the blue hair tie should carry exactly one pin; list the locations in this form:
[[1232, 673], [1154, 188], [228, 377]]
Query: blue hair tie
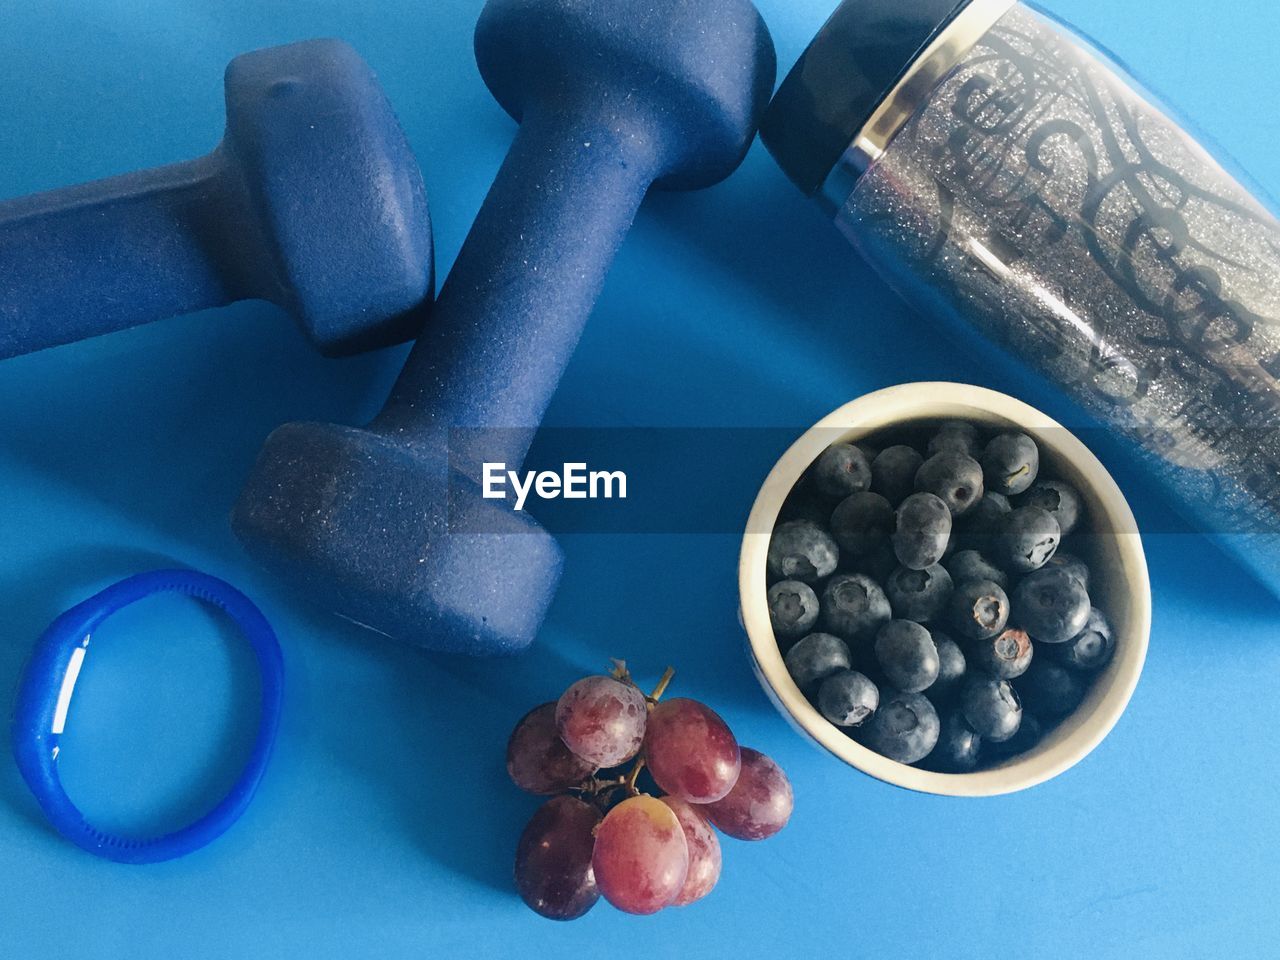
[[44, 697]]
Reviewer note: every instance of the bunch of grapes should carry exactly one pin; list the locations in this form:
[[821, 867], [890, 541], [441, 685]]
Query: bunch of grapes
[[600, 834]]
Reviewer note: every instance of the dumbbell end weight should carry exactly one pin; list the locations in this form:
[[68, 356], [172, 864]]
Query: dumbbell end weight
[[418, 556], [338, 190], [703, 71], [313, 201]]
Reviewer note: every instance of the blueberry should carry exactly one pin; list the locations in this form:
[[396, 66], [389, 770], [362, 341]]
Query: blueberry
[[816, 657], [1028, 539], [922, 531], [951, 667], [854, 606], [1051, 689], [992, 708], [919, 595], [977, 528], [958, 746], [1092, 648], [1004, 656], [954, 478], [969, 565], [802, 550], [905, 728], [842, 470], [793, 608], [862, 524], [1058, 498], [848, 698], [1051, 605], [893, 473], [1010, 463], [1030, 733], [956, 436], [979, 609], [1073, 565], [907, 655]]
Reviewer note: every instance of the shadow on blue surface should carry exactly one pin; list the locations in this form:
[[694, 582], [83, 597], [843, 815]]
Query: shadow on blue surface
[[160, 425], [429, 746]]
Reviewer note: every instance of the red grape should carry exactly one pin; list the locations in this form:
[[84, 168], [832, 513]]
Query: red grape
[[641, 858], [704, 852], [602, 720], [553, 860], [760, 803], [690, 751], [537, 759]]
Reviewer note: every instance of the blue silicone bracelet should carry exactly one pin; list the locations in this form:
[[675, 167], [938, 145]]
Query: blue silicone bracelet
[[44, 696]]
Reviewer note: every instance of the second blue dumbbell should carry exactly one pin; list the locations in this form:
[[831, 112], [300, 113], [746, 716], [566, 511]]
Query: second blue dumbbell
[[387, 525]]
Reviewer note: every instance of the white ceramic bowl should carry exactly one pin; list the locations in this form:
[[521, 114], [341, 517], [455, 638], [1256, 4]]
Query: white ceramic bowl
[[1120, 583]]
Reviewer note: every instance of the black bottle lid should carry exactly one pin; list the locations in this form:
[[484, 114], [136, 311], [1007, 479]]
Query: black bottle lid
[[853, 63]]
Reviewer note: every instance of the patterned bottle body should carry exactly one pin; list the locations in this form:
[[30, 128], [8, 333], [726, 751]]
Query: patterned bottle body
[[1038, 196]]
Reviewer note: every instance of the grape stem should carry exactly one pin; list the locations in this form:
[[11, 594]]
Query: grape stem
[[634, 773], [661, 688], [633, 776], [601, 790], [595, 786], [620, 671]]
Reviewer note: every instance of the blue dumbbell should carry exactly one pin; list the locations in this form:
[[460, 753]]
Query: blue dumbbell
[[313, 201], [386, 525]]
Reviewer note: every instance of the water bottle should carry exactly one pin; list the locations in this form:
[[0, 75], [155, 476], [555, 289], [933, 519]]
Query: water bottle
[[1006, 176]]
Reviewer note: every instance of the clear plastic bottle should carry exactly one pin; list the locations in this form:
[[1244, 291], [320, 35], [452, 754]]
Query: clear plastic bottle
[[1007, 177]]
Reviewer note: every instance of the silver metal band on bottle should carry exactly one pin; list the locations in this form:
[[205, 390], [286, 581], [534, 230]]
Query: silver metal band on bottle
[[948, 49]]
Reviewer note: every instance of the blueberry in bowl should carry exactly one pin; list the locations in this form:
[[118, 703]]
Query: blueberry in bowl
[[921, 531], [802, 550], [919, 595], [907, 656], [953, 477], [982, 602]]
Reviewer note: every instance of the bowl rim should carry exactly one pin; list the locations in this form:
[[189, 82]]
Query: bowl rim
[[944, 400]]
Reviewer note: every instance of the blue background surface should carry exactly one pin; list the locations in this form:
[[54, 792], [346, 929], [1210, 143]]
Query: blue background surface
[[386, 825]]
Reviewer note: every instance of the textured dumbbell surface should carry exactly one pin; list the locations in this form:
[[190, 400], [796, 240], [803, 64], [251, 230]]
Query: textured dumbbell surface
[[386, 524], [313, 201]]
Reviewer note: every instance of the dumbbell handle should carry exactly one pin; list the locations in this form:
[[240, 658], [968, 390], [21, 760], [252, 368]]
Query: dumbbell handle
[[519, 295], [102, 256]]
